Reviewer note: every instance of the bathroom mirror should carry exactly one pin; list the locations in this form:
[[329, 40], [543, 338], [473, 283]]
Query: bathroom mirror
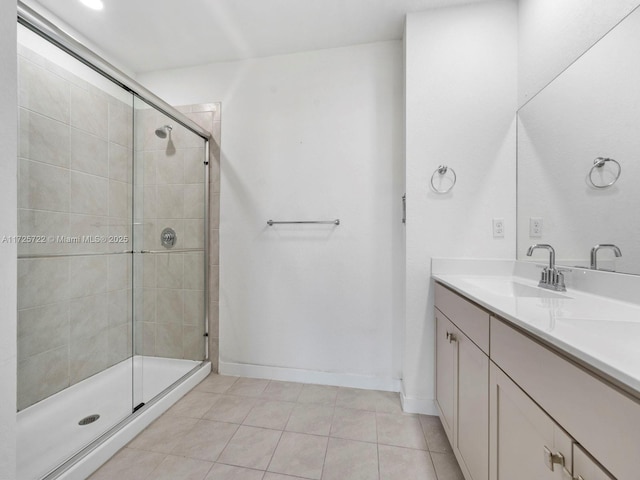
[[591, 111]]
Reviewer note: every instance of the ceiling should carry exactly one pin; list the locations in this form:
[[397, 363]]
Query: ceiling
[[148, 35]]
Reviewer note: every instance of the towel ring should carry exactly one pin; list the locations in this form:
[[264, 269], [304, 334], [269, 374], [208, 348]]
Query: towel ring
[[599, 163], [442, 170]]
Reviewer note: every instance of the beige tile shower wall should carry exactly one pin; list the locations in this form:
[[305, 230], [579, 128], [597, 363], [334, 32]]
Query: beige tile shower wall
[[173, 196], [74, 184]]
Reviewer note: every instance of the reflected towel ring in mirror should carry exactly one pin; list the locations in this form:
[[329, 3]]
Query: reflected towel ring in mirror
[[599, 163], [442, 171]]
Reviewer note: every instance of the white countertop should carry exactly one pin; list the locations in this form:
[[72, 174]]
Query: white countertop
[[601, 332]]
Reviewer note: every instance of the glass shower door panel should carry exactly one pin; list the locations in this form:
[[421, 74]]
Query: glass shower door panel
[[169, 221], [74, 278]]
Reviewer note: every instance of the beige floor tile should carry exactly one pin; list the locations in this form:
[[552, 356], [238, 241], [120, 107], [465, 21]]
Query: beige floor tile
[[279, 476], [174, 468], [163, 434], [129, 464], [446, 466], [229, 472], [397, 463], [194, 404], [387, 402], [250, 447], [284, 391], [299, 455], [348, 459], [354, 425], [215, 383], [230, 408], [319, 394], [356, 398], [437, 440], [206, 440], [400, 430], [248, 387], [311, 419], [269, 414]]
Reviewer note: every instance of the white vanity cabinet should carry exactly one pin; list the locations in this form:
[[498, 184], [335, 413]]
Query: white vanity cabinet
[[549, 417], [462, 380]]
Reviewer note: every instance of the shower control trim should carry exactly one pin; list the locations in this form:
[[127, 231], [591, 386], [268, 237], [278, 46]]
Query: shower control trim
[[168, 237]]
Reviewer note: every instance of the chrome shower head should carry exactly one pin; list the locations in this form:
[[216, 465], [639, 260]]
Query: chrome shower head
[[162, 132]]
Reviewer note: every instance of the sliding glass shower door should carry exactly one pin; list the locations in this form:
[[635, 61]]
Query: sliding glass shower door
[[75, 212], [111, 247], [169, 251]]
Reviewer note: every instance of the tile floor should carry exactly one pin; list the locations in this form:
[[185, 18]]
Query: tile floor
[[231, 428]]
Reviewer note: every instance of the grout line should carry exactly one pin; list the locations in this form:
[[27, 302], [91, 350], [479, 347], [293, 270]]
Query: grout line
[[378, 455]]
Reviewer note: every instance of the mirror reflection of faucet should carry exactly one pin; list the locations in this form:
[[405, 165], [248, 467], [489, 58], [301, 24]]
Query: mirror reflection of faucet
[[552, 278], [594, 253]]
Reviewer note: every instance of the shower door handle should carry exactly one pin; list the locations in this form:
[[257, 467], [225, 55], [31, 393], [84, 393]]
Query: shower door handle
[[404, 208]]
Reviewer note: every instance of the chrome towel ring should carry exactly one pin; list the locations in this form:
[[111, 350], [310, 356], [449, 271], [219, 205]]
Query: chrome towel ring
[[599, 163], [442, 171]]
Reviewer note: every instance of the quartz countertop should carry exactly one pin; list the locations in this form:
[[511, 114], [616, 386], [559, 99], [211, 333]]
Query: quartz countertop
[[602, 333]]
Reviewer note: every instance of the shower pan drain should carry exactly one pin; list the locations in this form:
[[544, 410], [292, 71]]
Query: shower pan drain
[[89, 419]]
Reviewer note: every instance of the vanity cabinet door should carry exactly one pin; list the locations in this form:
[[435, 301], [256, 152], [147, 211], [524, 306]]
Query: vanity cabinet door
[[462, 395], [523, 437], [472, 422], [445, 372], [585, 468]]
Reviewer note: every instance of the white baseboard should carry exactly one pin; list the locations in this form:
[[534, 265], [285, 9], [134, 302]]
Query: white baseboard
[[309, 376], [424, 406]]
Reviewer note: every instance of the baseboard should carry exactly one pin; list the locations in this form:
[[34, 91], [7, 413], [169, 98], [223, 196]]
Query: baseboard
[[309, 376], [424, 406]]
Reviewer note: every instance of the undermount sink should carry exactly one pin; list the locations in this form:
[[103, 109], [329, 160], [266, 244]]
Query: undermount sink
[[506, 287]]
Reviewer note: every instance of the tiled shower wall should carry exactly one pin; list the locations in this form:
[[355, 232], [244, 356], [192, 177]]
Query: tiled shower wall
[[74, 180]]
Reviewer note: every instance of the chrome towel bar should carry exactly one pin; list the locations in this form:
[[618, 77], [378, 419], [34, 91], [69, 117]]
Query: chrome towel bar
[[334, 222]]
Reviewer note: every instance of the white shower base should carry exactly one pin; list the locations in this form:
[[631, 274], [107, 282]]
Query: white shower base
[[48, 432]]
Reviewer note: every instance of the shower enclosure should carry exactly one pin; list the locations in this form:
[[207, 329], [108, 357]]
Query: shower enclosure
[[112, 250]]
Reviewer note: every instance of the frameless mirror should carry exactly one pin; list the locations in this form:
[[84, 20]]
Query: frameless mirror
[[579, 157]]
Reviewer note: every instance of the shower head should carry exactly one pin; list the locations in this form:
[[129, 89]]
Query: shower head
[[162, 132]]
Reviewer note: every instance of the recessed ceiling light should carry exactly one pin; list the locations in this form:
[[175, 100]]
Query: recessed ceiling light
[[94, 4]]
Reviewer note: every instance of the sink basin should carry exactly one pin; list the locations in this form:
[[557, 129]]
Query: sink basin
[[506, 287]]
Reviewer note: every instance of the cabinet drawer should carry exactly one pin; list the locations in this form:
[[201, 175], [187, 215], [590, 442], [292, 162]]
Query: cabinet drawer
[[472, 320], [603, 420]]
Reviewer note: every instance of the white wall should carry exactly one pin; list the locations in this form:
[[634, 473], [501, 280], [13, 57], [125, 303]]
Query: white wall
[[8, 227], [461, 94], [554, 33], [316, 135]]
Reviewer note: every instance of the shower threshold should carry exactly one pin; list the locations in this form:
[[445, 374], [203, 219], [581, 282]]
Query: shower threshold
[[49, 433]]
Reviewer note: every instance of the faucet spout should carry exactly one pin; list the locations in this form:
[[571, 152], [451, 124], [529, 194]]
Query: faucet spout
[[594, 253], [552, 253], [552, 278]]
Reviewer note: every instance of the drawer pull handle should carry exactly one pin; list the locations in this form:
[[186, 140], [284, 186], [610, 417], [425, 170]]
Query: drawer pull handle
[[451, 337], [551, 459]]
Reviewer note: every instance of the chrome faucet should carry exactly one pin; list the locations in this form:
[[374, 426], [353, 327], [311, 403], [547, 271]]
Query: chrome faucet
[[594, 253], [552, 278]]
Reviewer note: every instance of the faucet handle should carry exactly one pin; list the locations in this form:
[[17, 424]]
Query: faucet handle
[[558, 281]]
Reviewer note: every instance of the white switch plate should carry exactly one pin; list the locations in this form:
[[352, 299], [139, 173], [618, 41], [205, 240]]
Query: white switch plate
[[535, 227], [498, 227]]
